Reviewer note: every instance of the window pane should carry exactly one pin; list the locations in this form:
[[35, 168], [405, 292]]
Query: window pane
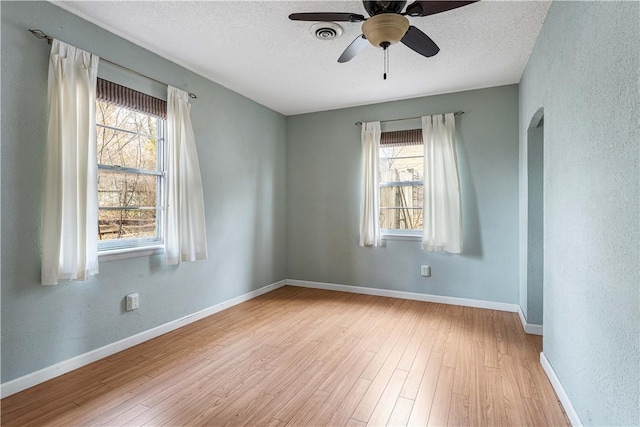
[[401, 207], [126, 224], [401, 219], [403, 163], [123, 118], [126, 149], [119, 189]]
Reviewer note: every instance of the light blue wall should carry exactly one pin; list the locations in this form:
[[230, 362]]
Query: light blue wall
[[241, 147], [323, 179], [584, 71]]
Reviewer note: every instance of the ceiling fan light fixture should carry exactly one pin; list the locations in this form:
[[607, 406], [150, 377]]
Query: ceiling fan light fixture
[[386, 28]]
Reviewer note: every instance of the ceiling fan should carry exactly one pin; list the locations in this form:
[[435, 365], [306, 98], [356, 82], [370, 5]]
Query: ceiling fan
[[387, 25]]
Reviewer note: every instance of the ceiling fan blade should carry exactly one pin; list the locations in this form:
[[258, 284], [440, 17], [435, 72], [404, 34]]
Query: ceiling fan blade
[[420, 42], [354, 48], [431, 7], [327, 17]]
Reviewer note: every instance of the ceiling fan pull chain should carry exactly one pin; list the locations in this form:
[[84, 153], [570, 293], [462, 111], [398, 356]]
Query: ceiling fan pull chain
[[385, 59]]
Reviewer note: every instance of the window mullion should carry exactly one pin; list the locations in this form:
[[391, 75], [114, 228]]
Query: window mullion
[[131, 132], [124, 169], [401, 183]]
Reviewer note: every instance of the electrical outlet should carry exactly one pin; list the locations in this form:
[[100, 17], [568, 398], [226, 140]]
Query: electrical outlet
[[425, 271], [133, 301]]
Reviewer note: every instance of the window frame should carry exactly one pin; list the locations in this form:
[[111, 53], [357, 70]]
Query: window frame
[[399, 233], [140, 246]]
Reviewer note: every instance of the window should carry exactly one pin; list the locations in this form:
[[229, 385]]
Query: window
[[130, 156], [401, 172]]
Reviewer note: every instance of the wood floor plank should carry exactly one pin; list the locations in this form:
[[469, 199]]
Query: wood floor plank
[[274, 422], [387, 401], [230, 375], [454, 333], [295, 398], [534, 413], [424, 398], [337, 394], [459, 411], [43, 418], [402, 329], [401, 412], [413, 347], [164, 408], [465, 373], [298, 356], [476, 397], [354, 423], [514, 336], [414, 378], [500, 333], [277, 381], [362, 339], [396, 310], [476, 328], [439, 413], [304, 412], [391, 352], [241, 415], [494, 398], [514, 406], [122, 418], [490, 339], [342, 413], [93, 409]]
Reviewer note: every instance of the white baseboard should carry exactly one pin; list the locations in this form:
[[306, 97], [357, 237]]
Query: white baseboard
[[34, 378], [562, 395], [466, 302], [530, 328]]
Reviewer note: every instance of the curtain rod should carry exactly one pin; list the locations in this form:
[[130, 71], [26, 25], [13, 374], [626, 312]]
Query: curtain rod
[[457, 113], [42, 36]]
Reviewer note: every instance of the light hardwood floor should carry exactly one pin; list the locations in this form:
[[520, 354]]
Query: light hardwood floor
[[300, 356]]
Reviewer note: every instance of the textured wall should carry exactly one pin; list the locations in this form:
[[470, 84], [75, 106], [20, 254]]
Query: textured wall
[[323, 179], [241, 146], [584, 71]]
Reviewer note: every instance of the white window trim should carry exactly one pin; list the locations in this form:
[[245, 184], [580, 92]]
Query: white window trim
[[408, 235], [125, 253]]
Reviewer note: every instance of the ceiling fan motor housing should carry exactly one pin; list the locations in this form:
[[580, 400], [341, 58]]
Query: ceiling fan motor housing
[[376, 7], [385, 29]]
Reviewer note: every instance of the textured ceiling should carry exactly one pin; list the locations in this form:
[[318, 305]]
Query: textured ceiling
[[255, 50]]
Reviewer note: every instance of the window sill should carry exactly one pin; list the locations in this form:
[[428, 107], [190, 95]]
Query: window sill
[[117, 254], [408, 237]]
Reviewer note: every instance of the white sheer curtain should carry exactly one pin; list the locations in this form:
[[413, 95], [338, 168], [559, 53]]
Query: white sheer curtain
[[442, 209], [185, 233], [70, 205], [369, 203]]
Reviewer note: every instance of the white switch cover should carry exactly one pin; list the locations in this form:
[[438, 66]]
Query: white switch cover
[[425, 271], [133, 301]]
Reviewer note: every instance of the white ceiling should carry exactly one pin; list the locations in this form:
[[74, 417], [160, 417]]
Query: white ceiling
[[255, 50]]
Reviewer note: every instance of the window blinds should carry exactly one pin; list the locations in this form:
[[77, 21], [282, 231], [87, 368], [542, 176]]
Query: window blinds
[[401, 137], [132, 99]]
